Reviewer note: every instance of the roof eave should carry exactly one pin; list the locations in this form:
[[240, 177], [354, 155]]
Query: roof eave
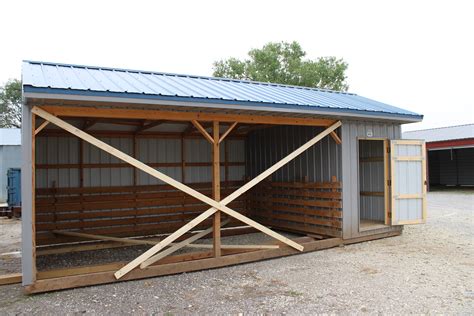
[[99, 96]]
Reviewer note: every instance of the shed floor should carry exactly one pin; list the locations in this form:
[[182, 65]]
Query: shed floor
[[367, 224], [104, 256]]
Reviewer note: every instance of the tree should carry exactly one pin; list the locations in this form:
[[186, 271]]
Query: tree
[[283, 63], [10, 104]]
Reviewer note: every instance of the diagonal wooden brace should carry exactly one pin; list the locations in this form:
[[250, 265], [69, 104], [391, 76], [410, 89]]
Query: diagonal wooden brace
[[256, 180], [215, 205]]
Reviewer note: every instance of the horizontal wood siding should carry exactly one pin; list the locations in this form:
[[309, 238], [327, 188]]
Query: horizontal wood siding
[[305, 207]]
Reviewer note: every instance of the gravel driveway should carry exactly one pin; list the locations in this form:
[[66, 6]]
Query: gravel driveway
[[429, 269]]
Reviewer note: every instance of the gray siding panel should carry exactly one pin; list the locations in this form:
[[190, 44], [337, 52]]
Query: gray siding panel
[[267, 146], [65, 150], [351, 132]]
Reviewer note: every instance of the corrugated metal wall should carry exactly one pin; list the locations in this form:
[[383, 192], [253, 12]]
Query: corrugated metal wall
[[351, 132], [10, 157], [53, 150], [371, 179], [267, 146]]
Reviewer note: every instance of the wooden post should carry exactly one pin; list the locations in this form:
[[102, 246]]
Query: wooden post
[[216, 187], [33, 195]]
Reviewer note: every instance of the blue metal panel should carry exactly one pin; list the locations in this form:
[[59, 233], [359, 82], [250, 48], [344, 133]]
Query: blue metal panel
[[14, 187], [44, 77]]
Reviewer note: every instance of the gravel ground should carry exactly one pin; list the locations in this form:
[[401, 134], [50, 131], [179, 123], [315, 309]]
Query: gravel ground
[[429, 270]]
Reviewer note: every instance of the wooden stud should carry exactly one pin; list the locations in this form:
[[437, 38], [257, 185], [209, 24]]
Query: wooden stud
[[40, 128], [148, 126], [227, 132], [203, 131], [216, 188], [33, 195], [336, 138]]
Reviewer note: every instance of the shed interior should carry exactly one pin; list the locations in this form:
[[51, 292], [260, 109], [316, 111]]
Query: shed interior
[[83, 189]]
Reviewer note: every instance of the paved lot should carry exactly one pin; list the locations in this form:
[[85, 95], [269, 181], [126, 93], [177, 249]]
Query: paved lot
[[429, 269]]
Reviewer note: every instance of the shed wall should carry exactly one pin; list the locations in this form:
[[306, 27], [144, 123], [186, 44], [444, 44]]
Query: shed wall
[[352, 131], [10, 157], [267, 146], [57, 161]]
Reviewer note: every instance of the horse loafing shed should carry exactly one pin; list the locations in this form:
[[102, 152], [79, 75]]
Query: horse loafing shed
[[114, 158]]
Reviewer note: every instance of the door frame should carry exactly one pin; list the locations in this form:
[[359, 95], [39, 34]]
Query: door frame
[[387, 179]]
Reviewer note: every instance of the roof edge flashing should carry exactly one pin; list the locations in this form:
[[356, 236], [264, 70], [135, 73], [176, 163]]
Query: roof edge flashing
[[94, 96]]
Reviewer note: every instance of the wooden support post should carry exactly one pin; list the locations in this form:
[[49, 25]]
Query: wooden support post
[[336, 137], [216, 188], [33, 194], [203, 131]]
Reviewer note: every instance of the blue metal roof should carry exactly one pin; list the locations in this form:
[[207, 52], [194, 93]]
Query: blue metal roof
[[50, 78]]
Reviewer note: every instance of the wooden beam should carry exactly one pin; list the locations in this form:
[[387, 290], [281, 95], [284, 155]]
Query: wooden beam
[[149, 125], [227, 131], [40, 128], [131, 241], [336, 138], [203, 131], [177, 267], [216, 188], [10, 278], [99, 112]]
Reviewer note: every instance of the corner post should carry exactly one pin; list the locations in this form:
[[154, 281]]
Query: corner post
[[216, 187], [28, 261]]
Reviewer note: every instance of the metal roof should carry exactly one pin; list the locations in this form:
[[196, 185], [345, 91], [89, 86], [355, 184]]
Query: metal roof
[[10, 136], [55, 78], [442, 133]]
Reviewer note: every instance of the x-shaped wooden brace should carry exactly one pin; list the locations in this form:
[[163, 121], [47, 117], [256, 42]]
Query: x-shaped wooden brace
[[214, 205]]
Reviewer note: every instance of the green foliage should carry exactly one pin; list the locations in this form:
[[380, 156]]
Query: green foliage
[[283, 63], [10, 104]]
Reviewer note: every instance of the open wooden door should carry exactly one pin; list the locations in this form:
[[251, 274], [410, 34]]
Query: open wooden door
[[408, 181]]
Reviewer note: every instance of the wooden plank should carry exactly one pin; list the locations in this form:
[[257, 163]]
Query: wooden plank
[[336, 138], [148, 126], [203, 131], [174, 268], [124, 165], [367, 193], [227, 132], [40, 128], [101, 112], [216, 188], [10, 278]]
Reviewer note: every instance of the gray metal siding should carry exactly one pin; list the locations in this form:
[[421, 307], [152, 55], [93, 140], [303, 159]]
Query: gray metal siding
[[65, 150], [10, 157], [267, 146], [351, 132]]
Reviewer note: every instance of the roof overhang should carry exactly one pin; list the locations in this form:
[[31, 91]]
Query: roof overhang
[[197, 104]]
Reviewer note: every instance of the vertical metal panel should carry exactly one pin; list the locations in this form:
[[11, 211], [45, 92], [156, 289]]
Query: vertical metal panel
[[10, 157], [351, 131], [27, 251], [267, 146]]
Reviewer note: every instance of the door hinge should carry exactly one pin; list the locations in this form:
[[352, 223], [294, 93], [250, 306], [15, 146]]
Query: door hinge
[[389, 183], [388, 149]]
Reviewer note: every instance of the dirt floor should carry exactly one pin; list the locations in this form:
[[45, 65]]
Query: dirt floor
[[429, 269]]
